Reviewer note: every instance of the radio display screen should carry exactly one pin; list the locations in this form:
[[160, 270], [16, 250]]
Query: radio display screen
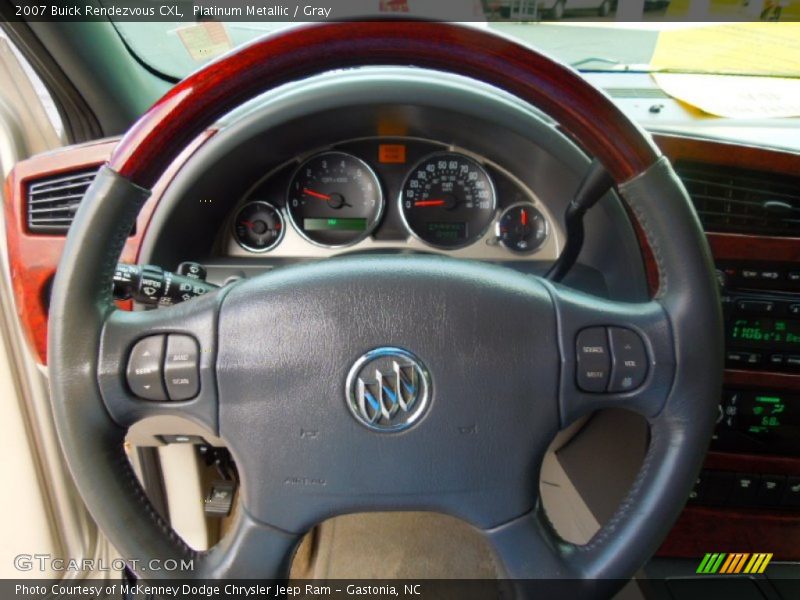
[[764, 332]]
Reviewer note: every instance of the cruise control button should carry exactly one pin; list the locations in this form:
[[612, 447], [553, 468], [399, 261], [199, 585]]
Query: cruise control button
[[629, 360], [144, 369], [594, 363], [181, 370]]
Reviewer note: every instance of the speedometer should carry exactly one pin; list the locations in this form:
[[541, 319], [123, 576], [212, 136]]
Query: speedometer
[[448, 200], [334, 199]]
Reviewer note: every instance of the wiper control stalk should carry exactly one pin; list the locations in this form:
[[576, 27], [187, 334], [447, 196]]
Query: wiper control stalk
[[152, 285]]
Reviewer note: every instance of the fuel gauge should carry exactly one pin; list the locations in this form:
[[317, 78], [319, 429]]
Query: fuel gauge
[[258, 226], [522, 228]]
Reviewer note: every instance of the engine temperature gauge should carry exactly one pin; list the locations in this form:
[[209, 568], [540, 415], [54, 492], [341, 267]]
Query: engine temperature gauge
[[258, 226], [522, 228]]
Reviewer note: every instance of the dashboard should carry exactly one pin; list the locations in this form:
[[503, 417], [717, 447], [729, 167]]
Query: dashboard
[[402, 194]]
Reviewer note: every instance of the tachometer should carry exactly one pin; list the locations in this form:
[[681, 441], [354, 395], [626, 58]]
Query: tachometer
[[334, 199], [448, 200]]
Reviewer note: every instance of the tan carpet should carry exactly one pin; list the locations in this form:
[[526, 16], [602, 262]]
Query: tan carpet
[[411, 545]]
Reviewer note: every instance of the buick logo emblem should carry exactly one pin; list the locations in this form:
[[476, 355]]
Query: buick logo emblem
[[388, 389]]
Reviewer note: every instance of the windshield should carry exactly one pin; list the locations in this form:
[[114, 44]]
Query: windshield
[[745, 70]]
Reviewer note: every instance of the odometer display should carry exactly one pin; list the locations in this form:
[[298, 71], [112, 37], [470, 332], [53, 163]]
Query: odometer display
[[443, 231], [448, 200], [334, 199]]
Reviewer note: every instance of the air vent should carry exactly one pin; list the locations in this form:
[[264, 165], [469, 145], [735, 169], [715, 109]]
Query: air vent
[[742, 201], [52, 201]]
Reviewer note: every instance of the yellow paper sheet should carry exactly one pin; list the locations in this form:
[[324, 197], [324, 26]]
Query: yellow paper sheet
[[751, 48], [734, 96], [205, 40]]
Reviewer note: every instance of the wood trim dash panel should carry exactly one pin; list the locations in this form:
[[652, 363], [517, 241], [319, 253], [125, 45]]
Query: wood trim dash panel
[[33, 257], [702, 529], [713, 529]]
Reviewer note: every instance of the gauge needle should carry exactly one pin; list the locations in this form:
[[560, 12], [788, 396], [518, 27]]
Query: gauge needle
[[429, 203], [248, 223], [524, 216], [314, 194]]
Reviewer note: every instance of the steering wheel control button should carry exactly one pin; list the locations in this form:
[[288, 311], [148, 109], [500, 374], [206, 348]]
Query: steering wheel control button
[[388, 389], [144, 369], [629, 360], [594, 362], [181, 371]]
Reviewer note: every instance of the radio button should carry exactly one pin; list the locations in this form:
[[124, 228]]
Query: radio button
[[770, 275], [181, 371], [777, 360], [745, 488], [594, 362], [794, 309], [629, 360], [791, 497], [770, 491], [722, 278], [756, 306], [743, 358], [793, 276], [793, 360], [144, 373]]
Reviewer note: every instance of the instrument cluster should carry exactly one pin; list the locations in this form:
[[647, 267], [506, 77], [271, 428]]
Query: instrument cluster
[[387, 193]]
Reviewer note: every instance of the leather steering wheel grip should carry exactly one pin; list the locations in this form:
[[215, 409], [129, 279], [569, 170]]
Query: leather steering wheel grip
[[81, 301]]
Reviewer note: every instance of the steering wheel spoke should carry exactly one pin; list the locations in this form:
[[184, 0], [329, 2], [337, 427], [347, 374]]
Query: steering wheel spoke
[[251, 550], [614, 354], [528, 548], [161, 362]]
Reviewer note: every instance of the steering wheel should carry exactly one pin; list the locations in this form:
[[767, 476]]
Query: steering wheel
[[360, 349]]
